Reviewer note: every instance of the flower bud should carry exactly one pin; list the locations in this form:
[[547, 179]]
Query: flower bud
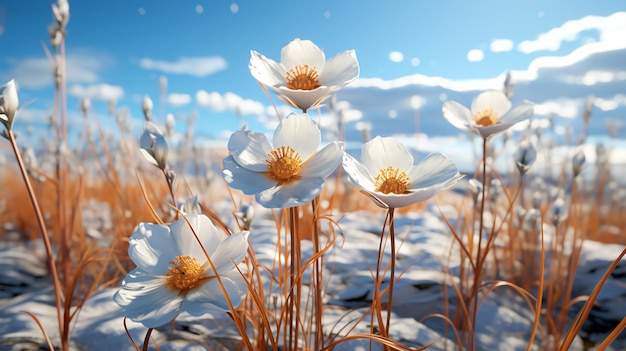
[[147, 108], [578, 162], [8, 103], [85, 104], [245, 214], [153, 145], [525, 156]]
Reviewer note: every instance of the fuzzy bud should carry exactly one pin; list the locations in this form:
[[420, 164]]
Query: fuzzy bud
[[147, 108], [578, 162], [525, 156], [8, 103]]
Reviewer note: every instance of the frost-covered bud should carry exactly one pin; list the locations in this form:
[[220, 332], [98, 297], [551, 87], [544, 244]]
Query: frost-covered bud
[[56, 36], [190, 206], [170, 123], [538, 200], [153, 145], [578, 161], [147, 108], [476, 189], [245, 214], [84, 105], [61, 12], [8, 104], [525, 156], [558, 211]]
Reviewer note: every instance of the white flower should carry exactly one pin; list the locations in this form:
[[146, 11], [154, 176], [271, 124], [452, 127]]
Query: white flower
[[387, 172], [173, 274], [8, 103], [303, 78], [491, 114], [289, 173], [153, 145]]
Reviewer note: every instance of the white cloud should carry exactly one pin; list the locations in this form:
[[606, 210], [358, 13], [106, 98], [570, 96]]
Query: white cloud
[[103, 92], [36, 72], [396, 56], [562, 107], [229, 102], [178, 99], [501, 45], [612, 29], [475, 55], [193, 66]]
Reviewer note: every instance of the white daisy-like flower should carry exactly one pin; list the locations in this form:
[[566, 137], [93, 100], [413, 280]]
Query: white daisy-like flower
[[387, 173], [303, 78], [491, 114], [286, 173], [8, 103], [173, 274]]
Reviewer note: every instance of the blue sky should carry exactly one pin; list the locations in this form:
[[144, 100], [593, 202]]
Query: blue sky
[[412, 55]]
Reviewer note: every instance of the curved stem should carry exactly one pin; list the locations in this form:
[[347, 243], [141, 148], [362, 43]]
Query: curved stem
[[43, 230], [392, 274]]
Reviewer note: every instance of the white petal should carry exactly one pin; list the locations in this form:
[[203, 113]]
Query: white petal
[[302, 52], [494, 100], [151, 248], [402, 200], [457, 114], [232, 248], [250, 149], [323, 163], [186, 240], [380, 153], [243, 179], [305, 99], [293, 194], [300, 132], [434, 169], [144, 299], [493, 130], [266, 70], [518, 114], [209, 298], [340, 70], [359, 174]]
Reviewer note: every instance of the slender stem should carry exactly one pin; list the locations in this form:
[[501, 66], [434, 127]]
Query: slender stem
[[43, 230], [393, 266], [146, 340], [478, 269], [318, 280], [294, 281]]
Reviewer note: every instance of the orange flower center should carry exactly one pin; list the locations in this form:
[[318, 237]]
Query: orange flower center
[[303, 78], [392, 180], [284, 164], [486, 117], [184, 274]]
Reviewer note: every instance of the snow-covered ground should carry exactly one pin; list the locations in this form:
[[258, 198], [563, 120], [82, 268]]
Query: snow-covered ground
[[424, 245]]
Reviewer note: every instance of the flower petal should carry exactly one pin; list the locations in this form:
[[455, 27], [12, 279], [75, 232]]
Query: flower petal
[[293, 194], [323, 163], [458, 115], [186, 240], [267, 71], [250, 150], [302, 52], [402, 200], [340, 70], [300, 132], [144, 299], [380, 153], [232, 248], [359, 174], [518, 114], [305, 99], [151, 248], [243, 179], [209, 298], [434, 169], [492, 99]]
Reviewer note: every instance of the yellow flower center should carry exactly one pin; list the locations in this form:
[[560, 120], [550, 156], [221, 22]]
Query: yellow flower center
[[284, 164], [184, 274], [486, 117], [303, 78], [392, 180]]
